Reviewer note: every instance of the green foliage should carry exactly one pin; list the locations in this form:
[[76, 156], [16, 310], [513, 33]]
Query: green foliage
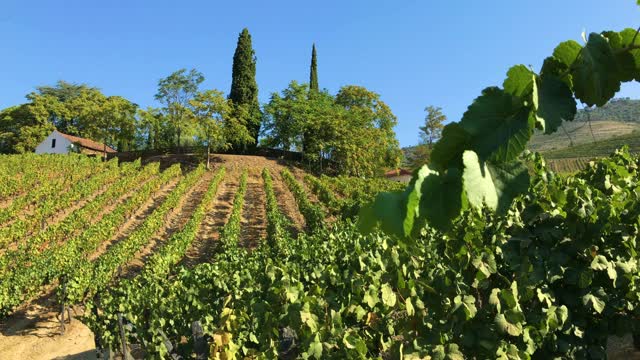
[[216, 123], [244, 89], [175, 92], [433, 124], [313, 76], [351, 133], [74, 109], [552, 278], [476, 162], [313, 213], [88, 278], [277, 223]]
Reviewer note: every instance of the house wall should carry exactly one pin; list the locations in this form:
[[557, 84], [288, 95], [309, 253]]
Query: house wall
[[62, 145]]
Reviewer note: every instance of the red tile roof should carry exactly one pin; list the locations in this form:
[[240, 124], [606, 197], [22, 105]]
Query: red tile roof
[[89, 144], [397, 172]]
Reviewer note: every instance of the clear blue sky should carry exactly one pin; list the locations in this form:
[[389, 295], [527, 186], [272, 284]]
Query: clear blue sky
[[413, 53]]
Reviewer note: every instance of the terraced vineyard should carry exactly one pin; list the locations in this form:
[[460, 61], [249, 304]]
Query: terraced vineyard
[[79, 233]]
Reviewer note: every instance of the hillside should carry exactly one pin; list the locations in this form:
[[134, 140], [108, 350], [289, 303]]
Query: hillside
[[619, 117], [93, 225]]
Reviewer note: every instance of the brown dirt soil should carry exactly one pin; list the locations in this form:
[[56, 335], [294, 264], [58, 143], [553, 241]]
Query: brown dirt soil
[[287, 204], [285, 197], [35, 333], [204, 246], [174, 221], [254, 213], [138, 217]]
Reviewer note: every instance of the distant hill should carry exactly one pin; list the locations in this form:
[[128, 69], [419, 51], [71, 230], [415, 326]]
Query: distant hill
[[593, 133], [618, 118]]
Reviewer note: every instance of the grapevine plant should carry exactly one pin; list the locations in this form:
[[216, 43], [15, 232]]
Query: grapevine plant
[[477, 162], [552, 278]]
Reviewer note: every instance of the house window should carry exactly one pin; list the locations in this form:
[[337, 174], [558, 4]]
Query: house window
[[53, 143]]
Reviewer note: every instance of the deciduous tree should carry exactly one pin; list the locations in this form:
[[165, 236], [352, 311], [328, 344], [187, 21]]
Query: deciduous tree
[[174, 92], [216, 124]]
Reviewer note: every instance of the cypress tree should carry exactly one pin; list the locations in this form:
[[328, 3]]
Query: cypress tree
[[313, 79], [244, 89], [314, 89]]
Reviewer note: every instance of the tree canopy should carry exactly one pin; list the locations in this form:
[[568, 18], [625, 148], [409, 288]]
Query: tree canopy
[[175, 92], [244, 89], [352, 131]]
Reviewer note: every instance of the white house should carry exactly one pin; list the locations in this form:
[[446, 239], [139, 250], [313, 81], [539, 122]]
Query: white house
[[59, 143]]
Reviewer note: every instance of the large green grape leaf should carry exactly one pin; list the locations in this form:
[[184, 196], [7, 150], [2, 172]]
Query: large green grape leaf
[[413, 196], [626, 62], [555, 67], [595, 73], [477, 182], [431, 198], [567, 52], [511, 179], [629, 61], [493, 185], [499, 124], [519, 81], [387, 210], [442, 199], [555, 103], [448, 150]]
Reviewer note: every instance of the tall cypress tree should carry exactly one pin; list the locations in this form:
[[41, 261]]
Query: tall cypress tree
[[313, 79], [244, 89], [314, 89]]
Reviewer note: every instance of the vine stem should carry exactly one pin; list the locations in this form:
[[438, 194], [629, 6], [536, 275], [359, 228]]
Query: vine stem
[[633, 41]]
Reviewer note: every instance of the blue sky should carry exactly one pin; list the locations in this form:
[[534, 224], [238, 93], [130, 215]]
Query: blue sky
[[413, 53]]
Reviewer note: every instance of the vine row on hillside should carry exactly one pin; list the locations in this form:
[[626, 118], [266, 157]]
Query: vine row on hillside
[[130, 176], [31, 225], [48, 190], [313, 214], [230, 233], [56, 262], [277, 224], [90, 277], [19, 175]]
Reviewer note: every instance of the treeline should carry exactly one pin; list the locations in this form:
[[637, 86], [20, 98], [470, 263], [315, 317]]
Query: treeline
[[349, 133]]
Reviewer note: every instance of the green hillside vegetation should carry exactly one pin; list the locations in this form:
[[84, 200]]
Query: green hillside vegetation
[[617, 118], [600, 148]]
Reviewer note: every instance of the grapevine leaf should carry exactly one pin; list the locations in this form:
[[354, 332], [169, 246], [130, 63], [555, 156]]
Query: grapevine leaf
[[413, 200], [494, 299], [467, 304], [519, 81], [455, 139], [510, 322], [567, 52], [315, 348], [510, 179], [629, 61], [442, 199], [396, 211], [555, 103], [599, 263], [554, 67], [592, 300], [371, 296], [595, 74], [499, 125], [409, 305], [388, 296], [387, 210], [478, 183]]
